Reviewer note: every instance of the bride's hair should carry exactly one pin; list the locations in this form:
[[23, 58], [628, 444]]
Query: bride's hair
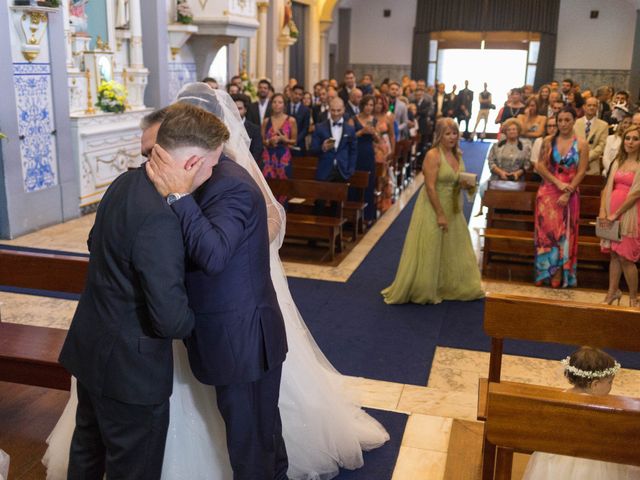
[[220, 103]]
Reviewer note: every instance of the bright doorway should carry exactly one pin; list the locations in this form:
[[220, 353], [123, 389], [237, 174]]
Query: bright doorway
[[502, 70]]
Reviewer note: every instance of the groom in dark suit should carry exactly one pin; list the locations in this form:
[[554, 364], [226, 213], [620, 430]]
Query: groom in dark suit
[[239, 342], [334, 141], [134, 303]]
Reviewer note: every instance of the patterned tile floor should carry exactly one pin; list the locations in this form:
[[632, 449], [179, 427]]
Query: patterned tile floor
[[452, 389]]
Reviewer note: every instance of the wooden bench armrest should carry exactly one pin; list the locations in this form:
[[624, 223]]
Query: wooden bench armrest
[[483, 393]]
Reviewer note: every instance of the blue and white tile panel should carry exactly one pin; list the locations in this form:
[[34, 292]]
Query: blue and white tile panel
[[180, 73], [32, 83]]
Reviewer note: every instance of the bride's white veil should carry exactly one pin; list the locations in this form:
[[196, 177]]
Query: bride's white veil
[[222, 106]]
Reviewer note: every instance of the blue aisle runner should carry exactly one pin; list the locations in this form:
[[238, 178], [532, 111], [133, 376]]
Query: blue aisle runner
[[359, 333]]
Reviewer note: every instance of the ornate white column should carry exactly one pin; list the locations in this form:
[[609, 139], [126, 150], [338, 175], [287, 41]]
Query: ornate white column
[[263, 6], [64, 6], [313, 49], [135, 24], [325, 26]]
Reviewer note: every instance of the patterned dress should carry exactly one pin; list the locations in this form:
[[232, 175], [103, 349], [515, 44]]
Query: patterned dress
[[628, 247], [556, 228], [276, 161]]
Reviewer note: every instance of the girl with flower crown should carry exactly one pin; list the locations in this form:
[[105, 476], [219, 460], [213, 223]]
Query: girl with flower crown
[[590, 371]]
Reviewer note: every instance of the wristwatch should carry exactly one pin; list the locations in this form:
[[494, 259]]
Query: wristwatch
[[174, 197]]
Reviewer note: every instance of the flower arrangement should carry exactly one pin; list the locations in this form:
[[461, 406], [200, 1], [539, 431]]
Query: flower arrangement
[[2, 136], [185, 15], [589, 373], [248, 88], [112, 97]]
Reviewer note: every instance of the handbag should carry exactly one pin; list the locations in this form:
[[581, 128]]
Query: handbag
[[608, 230], [469, 178]]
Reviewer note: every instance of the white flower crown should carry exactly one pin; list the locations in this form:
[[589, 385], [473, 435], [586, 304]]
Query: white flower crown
[[609, 372]]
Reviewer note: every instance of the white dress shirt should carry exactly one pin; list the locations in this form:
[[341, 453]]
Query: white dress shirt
[[336, 131], [262, 109]]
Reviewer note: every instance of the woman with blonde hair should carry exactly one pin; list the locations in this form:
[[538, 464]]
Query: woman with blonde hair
[[438, 262], [619, 202]]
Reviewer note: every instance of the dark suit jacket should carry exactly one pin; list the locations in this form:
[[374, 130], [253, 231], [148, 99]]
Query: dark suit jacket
[[253, 113], [134, 302], [345, 156], [318, 115], [425, 112], [255, 135], [344, 94], [464, 98], [349, 112], [239, 333], [303, 120]]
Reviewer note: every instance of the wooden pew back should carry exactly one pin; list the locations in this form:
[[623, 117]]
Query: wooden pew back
[[569, 323], [39, 271], [528, 418]]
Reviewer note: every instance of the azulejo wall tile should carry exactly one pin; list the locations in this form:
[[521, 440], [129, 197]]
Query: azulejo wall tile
[[32, 84], [180, 73]]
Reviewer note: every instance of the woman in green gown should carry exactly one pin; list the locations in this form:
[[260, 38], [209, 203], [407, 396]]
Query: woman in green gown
[[438, 262]]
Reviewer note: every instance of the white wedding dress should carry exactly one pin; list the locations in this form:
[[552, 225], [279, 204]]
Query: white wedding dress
[[543, 466], [323, 426]]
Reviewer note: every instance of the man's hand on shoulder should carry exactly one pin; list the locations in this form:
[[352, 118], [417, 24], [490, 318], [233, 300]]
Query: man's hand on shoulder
[[168, 176]]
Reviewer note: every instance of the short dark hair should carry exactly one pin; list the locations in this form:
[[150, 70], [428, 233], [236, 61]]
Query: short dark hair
[[264, 81], [234, 77], [568, 80], [298, 87], [241, 97], [394, 83], [208, 79], [157, 116], [349, 72], [623, 92], [186, 125], [366, 99]]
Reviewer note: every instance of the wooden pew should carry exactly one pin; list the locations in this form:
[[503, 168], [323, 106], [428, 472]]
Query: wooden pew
[[402, 162], [508, 239], [540, 320], [29, 354], [354, 209], [307, 161], [527, 418], [314, 227], [587, 180], [527, 186]]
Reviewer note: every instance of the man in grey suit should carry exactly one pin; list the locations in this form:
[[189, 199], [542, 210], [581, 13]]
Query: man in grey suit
[[399, 109]]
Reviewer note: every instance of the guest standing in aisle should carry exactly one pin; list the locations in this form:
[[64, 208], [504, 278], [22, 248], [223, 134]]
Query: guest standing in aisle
[[438, 262]]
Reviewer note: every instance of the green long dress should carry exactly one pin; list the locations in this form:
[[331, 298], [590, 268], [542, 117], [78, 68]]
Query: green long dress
[[435, 265]]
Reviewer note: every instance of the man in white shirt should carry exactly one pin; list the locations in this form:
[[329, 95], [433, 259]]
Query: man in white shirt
[[261, 108], [594, 131]]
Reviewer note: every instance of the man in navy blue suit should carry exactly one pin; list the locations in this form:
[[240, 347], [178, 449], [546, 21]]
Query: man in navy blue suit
[[239, 341], [334, 141], [302, 114]]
